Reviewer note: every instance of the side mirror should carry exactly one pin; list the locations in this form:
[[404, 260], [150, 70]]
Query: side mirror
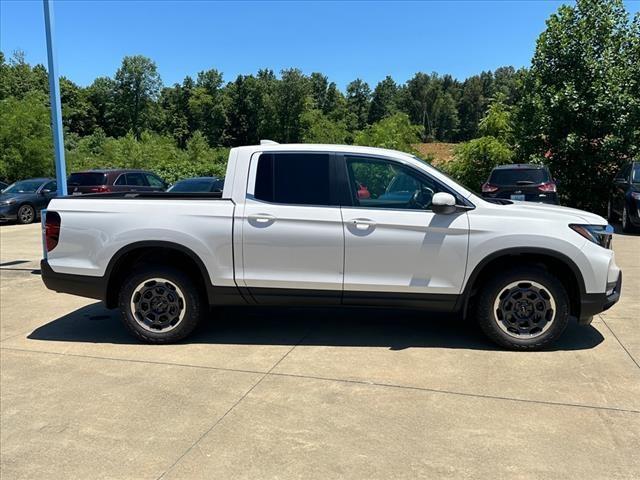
[[45, 191], [443, 203]]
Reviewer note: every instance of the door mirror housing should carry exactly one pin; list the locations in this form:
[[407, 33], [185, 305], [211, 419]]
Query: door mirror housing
[[443, 203], [45, 191]]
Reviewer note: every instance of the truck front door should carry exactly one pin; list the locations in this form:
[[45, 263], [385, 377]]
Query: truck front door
[[397, 251]]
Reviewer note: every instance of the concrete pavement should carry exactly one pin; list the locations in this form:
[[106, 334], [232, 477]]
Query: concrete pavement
[[293, 393]]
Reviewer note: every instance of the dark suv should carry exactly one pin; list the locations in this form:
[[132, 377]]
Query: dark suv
[[521, 181], [100, 181], [624, 202]]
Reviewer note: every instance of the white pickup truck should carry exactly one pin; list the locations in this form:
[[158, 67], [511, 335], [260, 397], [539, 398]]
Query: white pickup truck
[[332, 225]]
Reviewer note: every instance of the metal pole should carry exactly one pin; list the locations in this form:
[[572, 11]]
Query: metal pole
[[54, 95]]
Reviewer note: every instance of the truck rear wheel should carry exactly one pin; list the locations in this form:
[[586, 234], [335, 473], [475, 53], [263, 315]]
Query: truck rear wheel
[[523, 309], [160, 304]]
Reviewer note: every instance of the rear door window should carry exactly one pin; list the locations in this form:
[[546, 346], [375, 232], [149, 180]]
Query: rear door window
[[293, 178], [136, 179], [519, 176], [85, 179]]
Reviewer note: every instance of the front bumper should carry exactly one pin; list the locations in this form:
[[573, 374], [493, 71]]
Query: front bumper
[[8, 213], [593, 303], [81, 285]]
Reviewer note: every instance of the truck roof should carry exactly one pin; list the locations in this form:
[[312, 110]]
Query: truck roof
[[319, 147]]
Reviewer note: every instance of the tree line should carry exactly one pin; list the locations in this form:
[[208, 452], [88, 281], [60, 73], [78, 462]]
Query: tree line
[[288, 107], [577, 108]]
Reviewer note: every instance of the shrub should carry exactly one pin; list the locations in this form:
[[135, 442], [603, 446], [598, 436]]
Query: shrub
[[474, 160]]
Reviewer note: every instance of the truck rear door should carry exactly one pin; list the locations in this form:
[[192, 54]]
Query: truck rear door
[[292, 236]]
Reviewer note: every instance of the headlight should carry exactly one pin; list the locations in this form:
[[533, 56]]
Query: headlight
[[600, 234], [11, 201]]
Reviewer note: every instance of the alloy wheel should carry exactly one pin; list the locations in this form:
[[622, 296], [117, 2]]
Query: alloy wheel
[[158, 305], [26, 214], [524, 309]]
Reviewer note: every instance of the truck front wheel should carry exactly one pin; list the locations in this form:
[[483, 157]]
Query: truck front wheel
[[160, 304], [523, 309]]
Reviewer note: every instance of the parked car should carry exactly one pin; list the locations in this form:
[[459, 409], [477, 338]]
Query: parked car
[[120, 180], [290, 228], [521, 181], [624, 202], [22, 201], [197, 185]]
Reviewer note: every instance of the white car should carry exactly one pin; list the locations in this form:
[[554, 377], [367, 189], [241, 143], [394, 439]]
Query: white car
[[332, 225]]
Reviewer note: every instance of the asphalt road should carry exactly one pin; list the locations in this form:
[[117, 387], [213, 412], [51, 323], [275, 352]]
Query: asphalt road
[[319, 394]]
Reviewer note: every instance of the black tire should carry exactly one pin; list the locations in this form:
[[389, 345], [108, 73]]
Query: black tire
[[26, 214], [494, 299], [627, 226], [182, 300], [611, 217]]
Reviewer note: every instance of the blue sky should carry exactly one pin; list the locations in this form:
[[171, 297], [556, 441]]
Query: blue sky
[[343, 40]]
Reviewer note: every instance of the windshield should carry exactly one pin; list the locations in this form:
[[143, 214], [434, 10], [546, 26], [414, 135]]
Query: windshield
[[24, 186], [635, 175], [86, 179], [519, 176]]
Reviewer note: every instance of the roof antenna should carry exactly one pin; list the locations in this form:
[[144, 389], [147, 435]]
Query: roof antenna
[[268, 142]]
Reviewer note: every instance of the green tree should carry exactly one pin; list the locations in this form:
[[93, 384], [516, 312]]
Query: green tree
[[206, 106], [580, 113], [290, 102], [383, 101], [137, 86], [475, 159], [77, 114], [318, 86], [101, 98], [26, 148], [358, 100], [498, 121], [18, 78], [177, 119], [395, 132], [243, 111], [318, 128]]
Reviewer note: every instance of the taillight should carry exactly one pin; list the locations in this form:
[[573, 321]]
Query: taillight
[[52, 229], [488, 188], [101, 189], [547, 187]]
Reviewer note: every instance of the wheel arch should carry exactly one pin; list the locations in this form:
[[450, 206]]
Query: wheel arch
[[169, 253], [563, 267]]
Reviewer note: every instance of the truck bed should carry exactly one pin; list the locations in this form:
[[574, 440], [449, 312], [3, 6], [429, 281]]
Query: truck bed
[[95, 227]]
